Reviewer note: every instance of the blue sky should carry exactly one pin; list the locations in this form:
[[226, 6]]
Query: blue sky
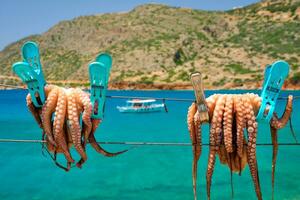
[[21, 18]]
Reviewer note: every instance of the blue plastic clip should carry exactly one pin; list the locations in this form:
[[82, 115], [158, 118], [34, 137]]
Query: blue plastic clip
[[267, 74], [275, 75], [99, 72], [30, 72]]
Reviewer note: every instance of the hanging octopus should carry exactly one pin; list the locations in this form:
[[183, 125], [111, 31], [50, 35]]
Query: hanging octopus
[[67, 105], [229, 117]]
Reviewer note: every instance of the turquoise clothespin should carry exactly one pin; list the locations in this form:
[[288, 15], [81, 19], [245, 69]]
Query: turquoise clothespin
[[267, 74], [99, 72], [30, 72], [275, 76], [106, 59]]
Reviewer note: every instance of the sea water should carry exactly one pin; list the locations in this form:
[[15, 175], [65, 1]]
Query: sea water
[[144, 172]]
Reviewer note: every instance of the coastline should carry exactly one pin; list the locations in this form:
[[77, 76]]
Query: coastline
[[163, 86]]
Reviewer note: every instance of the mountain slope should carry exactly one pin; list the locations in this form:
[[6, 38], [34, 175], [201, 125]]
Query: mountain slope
[[162, 45]]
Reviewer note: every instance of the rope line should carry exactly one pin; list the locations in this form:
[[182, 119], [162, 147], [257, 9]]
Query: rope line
[[139, 97], [138, 143]]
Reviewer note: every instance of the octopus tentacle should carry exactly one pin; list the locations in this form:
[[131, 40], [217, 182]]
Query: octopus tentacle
[[90, 126], [75, 128], [255, 101], [274, 156], [84, 101], [219, 109], [280, 123], [196, 149], [214, 140], [96, 146], [58, 125], [276, 124], [84, 108], [223, 155], [37, 112], [190, 121], [227, 123], [240, 125], [47, 111], [211, 163], [34, 111], [197, 145], [211, 104], [251, 147], [198, 138]]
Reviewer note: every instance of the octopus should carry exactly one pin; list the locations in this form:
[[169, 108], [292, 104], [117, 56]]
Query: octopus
[[233, 135], [60, 119]]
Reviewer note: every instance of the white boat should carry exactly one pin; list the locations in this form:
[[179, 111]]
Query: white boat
[[141, 106]]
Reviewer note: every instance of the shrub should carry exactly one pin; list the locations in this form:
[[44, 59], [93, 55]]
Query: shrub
[[237, 68], [184, 76], [220, 82], [296, 78]]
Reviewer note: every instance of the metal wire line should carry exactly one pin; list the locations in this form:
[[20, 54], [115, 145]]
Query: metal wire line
[[139, 97], [138, 143]]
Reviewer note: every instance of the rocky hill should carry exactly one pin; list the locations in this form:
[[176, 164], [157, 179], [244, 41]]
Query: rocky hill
[[156, 46]]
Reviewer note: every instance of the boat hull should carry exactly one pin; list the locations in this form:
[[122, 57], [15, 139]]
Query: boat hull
[[157, 108]]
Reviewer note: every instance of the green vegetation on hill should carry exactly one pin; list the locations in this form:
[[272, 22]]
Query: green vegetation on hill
[[161, 44]]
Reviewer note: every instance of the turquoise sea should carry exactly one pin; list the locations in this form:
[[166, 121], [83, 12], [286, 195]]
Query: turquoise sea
[[145, 172]]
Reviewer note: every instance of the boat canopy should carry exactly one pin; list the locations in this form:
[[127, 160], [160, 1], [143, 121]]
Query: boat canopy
[[141, 101]]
